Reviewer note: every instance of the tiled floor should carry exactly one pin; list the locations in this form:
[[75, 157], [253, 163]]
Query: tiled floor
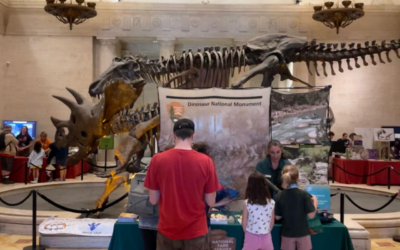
[[384, 244], [18, 242]]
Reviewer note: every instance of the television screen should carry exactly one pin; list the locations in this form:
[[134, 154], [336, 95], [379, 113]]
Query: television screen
[[17, 125]]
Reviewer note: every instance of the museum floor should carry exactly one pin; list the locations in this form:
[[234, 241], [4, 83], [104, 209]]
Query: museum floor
[[17, 242]]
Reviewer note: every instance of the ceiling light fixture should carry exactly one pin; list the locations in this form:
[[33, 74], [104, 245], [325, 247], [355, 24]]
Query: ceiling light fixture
[[71, 13], [340, 16]]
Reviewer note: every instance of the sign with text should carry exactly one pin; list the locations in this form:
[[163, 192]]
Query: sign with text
[[220, 241], [84, 227], [234, 124], [323, 194], [107, 142]]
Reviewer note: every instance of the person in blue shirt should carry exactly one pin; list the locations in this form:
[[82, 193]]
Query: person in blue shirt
[[273, 164]]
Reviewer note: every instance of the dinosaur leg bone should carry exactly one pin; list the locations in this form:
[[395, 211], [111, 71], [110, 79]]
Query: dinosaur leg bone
[[112, 183], [268, 65]]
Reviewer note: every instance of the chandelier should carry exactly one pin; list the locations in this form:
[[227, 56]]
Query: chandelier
[[340, 16], [70, 13]]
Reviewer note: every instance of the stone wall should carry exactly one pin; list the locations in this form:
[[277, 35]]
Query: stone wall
[[44, 51], [40, 67]]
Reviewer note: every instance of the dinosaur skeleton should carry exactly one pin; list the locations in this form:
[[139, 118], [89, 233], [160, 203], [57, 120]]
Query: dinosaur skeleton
[[122, 83]]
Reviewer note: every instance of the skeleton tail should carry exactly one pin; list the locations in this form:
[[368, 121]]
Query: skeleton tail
[[314, 53]]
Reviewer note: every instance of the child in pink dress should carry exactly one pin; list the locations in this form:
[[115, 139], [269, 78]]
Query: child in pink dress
[[258, 214]]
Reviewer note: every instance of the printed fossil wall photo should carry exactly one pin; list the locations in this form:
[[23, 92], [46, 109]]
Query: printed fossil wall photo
[[312, 163], [300, 118]]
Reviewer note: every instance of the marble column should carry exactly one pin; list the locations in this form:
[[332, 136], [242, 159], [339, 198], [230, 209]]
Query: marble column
[[167, 46], [105, 51]]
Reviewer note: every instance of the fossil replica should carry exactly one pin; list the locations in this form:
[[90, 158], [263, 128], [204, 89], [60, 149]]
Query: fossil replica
[[119, 87]]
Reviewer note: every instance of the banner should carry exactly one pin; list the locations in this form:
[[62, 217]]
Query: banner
[[300, 118], [312, 164], [323, 194], [233, 123], [84, 227]]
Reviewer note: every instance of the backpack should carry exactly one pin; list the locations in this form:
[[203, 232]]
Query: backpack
[[2, 141], [138, 199]]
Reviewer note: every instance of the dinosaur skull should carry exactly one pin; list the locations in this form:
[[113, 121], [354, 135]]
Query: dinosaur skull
[[258, 49], [88, 123], [127, 69]]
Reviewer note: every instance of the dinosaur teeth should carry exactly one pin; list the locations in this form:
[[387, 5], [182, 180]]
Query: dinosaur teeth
[[348, 64], [373, 43], [351, 45], [335, 46], [343, 45]]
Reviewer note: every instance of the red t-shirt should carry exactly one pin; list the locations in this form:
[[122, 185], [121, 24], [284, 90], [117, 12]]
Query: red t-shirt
[[182, 177]]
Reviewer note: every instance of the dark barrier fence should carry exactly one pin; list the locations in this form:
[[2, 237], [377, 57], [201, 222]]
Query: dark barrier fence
[[388, 169], [35, 193]]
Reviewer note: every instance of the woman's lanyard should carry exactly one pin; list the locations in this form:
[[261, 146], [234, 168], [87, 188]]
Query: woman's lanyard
[[292, 186]]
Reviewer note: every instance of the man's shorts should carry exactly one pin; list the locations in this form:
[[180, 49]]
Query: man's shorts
[[7, 163], [200, 243]]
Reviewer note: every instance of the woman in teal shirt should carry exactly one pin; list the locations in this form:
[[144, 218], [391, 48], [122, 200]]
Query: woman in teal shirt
[[273, 164]]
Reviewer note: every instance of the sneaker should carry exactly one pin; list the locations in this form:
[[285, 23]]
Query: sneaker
[[34, 182]]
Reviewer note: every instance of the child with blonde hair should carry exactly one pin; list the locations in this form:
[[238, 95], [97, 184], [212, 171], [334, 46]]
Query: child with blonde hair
[[258, 214], [294, 206]]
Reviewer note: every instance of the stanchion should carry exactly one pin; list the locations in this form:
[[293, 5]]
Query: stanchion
[[333, 172], [105, 162], [26, 173], [342, 208], [388, 169], [34, 226], [82, 170]]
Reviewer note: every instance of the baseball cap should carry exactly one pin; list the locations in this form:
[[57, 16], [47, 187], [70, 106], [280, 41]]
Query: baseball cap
[[184, 124]]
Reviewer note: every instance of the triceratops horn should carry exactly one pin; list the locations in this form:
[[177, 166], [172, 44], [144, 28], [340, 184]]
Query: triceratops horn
[[78, 97], [58, 123], [72, 106]]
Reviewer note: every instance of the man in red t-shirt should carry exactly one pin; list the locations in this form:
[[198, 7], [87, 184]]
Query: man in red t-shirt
[[183, 181]]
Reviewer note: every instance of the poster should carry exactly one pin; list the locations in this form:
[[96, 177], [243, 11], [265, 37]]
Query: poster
[[323, 194], [233, 123], [107, 142], [312, 164], [300, 118], [384, 134], [367, 136], [84, 227]]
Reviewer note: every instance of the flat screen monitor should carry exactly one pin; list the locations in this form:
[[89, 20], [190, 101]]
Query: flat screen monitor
[[17, 125]]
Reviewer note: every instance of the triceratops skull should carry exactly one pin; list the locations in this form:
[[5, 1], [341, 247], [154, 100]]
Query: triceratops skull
[[89, 123]]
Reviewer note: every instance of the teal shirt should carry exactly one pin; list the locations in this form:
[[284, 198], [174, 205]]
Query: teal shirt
[[265, 167]]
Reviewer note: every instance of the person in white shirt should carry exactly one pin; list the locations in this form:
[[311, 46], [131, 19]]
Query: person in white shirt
[[36, 160], [258, 214]]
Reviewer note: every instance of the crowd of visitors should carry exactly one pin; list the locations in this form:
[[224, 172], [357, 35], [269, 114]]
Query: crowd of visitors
[[24, 145], [181, 178]]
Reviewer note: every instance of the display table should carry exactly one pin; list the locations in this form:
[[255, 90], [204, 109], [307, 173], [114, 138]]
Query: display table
[[19, 169], [359, 167], [382, 178], [366, 167], [335, 236]]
